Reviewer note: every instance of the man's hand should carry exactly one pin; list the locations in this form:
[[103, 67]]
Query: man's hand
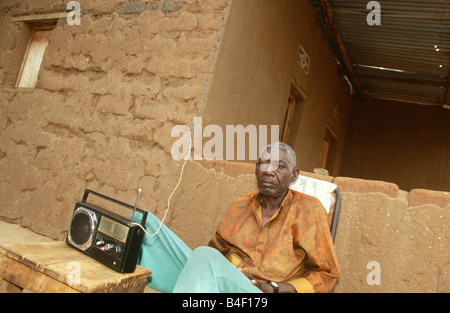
[[266, 287]]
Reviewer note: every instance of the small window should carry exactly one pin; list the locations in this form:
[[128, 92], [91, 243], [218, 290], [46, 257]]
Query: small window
[[34, 54], [303, 59]]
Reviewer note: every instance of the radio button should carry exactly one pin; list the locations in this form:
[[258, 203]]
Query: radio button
[[113, 249]]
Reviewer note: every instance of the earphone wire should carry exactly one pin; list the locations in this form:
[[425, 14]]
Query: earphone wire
[[190, 137]]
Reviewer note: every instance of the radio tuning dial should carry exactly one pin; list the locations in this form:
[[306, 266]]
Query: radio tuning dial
[[113, 249]]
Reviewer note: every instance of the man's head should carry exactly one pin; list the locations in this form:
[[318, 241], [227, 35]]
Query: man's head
[[276, 169]]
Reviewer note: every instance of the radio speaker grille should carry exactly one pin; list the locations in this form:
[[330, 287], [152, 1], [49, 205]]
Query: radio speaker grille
[[82, 228]]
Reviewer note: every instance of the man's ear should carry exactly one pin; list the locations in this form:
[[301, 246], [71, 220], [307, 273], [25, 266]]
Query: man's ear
[[295, 173]]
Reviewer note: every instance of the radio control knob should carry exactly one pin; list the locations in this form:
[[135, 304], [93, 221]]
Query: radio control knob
[[113, 249]]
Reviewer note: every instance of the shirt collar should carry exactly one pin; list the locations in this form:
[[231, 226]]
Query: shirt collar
[[287, 199]]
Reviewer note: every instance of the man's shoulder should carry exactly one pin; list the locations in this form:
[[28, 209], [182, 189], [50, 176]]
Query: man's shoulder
[[312, 203], [298, 196], [240, 204], [246, 198]]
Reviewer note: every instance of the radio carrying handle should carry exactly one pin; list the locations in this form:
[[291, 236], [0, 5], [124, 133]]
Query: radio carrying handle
[[144, 213]]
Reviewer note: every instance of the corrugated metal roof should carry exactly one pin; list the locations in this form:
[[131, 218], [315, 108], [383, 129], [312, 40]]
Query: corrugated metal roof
[[406, 57]]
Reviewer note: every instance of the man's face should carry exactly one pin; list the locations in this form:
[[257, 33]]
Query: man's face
[[273, 174]]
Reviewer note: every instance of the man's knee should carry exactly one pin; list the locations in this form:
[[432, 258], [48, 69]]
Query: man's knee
[[206, 253], [204, 259]]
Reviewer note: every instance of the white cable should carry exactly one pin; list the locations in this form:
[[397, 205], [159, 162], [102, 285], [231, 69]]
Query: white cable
[[170, 197], [190, 139]]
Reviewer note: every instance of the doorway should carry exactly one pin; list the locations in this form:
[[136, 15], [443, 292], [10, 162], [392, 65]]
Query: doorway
[[292, 117], [329, 150]]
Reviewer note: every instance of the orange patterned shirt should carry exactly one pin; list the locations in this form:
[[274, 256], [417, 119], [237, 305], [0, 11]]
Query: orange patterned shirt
[[294, 247]]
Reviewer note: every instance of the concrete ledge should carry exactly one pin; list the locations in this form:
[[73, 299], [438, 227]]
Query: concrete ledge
[[329, 179], [366, 186], [421, 196]]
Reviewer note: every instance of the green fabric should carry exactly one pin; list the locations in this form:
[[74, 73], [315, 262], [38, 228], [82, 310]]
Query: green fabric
[[176, 268]]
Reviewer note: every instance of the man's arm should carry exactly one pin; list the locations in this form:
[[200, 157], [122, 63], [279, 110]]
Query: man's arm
[[218, 243], [322, 268], [267, 287], [221, 245]]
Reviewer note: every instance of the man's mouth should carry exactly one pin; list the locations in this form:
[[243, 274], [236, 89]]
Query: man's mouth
[[267, 184]]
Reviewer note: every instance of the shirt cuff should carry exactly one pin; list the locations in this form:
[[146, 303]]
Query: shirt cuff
[[302, 285]]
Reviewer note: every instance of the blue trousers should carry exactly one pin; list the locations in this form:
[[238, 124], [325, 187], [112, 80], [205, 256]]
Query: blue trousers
[[178, 269]]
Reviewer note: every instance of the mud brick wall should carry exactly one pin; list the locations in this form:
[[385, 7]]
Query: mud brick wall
[[109, 93], [406, 233]]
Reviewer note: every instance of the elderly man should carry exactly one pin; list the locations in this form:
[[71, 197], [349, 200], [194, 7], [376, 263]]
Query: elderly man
[[274, 240]]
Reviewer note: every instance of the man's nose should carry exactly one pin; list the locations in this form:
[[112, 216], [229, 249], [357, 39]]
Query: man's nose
[[268, 167]]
